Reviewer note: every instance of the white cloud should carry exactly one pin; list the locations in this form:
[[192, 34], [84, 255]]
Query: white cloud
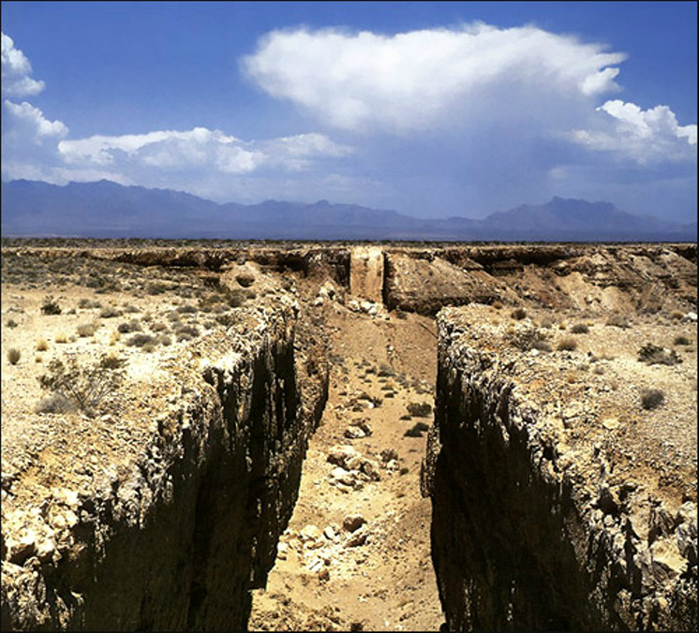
[[430, 78], [16, 69], [200, 148], [644, 136]]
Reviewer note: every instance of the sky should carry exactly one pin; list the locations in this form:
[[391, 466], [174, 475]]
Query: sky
[[431, 109]]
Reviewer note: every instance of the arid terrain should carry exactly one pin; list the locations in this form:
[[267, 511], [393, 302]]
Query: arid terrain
[[390, 437]]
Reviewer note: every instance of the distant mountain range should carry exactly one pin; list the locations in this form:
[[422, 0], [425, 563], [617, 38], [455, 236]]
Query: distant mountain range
[[105, 209]]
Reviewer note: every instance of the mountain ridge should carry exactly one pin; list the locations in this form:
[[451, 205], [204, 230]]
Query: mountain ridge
[[108, 209]]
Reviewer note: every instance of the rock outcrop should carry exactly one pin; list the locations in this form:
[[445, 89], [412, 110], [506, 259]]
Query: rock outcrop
[[549, 513], [165, 518]]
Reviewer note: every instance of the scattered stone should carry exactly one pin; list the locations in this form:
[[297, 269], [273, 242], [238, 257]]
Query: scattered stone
[[610, 424], [358, 537], [310, 533], [329, 533], [354, 433], [353, 522]]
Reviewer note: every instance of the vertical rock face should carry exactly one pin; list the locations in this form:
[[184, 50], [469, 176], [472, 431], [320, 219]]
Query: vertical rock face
[[366, 273], [185, 521], [537, 525]]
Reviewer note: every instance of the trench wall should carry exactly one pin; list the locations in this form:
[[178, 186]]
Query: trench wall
[[522, 537], [176, 539]]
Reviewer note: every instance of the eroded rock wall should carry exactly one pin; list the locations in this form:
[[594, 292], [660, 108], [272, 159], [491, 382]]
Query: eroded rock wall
[[532, 528], [184, 521]]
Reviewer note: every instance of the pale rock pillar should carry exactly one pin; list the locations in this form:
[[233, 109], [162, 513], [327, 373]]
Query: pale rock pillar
[[366, 273]]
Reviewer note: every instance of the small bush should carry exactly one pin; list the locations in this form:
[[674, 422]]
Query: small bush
[[676, 315], [54, 404], [131, 326], [42, 345], [11, 323], [139, 340], [110, 312], [187, 309], [654, 355], [567, 344], [420, 409], [84, 303], [245, 279], [164, 339], [652, 398], [682, 340], [190, 330], [530, 338], [158, 327], [518, 314], [13, 355], [580, 328], [61, 338], [84, 387], [86, 329], [156, 288], [417, 430], [50, 306], [617, 320]]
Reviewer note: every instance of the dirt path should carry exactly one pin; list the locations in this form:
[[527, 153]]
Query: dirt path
[[356, 554]]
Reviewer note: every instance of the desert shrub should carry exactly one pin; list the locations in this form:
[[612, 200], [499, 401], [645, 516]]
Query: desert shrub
[[61, 338], [84, 303], [654, 355], [225, 319], [497, 305], [13, 355], [187, 309], [41, 345], [682, 340], [164, 339], [417, 430], [130, 309], [83, 387], [110, 312], [11, 323], [652, 398], [518, 314], [386, 370], [131, 326], [149, 347], [139, 340], [567, 344], [158, 327], [236, 298], [50, 306], [530, 338], [580, 328], [676, 315], [618, 320], [86, 329], [156, 288], [419, 409], [190, 330], [54, 404]]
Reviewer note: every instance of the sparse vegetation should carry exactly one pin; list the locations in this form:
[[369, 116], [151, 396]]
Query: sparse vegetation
[[50, 306], [580, 328], [41, 345], [527, 339], [11, 323], [420, 409], [86, 329], [567, 344], [618, 320], [110, 312], [13, 355], [654, 355], [682, 340], [81, 387], [652, 398], [518, 314], [139, 340]]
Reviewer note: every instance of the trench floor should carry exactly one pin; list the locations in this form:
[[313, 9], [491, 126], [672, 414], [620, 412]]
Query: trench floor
[[378, 576]]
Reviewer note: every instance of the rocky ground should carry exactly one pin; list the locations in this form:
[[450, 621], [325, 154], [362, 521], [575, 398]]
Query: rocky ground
[[605, 337], [356, 554]]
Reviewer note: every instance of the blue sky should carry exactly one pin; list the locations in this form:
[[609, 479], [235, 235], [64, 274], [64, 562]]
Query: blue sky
[[433, 109]]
